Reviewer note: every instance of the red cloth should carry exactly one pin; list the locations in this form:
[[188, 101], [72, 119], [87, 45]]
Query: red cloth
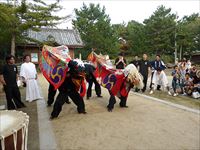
[[111, 79], [83, 89]]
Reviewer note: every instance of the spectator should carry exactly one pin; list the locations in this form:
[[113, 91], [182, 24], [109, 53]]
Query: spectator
[[144, 69], [179, 63], [120, 62], [193, 74], [155, 65], [8, 77], [196, 90], [188, 65], [175, 80], [183, 62], [159, 79], [188, 85], [135, 61], [182, 78]]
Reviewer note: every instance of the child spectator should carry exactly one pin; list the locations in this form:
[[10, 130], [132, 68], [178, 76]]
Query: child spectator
[[182, 78], [183, 62], [188, 65], [188, 85], [175, 80]]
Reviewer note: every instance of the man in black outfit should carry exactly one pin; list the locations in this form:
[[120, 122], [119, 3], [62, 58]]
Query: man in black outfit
[[135, 61], [69, 88], [120, 62], [144, 68], [8, 77], [51, 95], [90, 78]]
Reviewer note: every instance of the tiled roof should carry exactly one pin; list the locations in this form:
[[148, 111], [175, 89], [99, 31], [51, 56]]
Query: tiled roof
[[67, 37]]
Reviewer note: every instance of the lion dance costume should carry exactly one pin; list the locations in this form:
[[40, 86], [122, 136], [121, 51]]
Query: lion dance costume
[[117, 81], [64, 74]]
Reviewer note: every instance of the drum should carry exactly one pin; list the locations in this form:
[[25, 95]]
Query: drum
[[13, 130]]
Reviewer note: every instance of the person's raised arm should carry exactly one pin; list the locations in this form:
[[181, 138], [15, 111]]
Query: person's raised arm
[[124, 61], [117, 61]]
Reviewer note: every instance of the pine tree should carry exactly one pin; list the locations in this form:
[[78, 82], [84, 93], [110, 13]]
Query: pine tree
[[95, 29], [16, 19], [160, 30]]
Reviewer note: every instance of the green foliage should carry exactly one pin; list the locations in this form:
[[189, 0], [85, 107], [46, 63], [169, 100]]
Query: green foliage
[[188, 34], [136, 38], [160, 31], [95, 29], [6, 22], [120, 30], [155, 35], [15, 20]]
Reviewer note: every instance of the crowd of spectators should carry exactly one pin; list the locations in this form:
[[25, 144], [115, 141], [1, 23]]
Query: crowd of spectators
[[185, 76], [186, 79]]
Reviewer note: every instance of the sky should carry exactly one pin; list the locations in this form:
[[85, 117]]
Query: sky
[[125, 10]]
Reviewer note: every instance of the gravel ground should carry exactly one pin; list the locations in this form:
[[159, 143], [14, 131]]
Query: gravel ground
[[145, 124]]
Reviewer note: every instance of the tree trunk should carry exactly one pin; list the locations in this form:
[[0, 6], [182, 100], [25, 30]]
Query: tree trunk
[[13, 44], [180, 55]]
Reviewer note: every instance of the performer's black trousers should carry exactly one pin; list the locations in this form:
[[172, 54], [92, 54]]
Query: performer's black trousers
[[112, 101], [51, 95], [13, 97], [60, 100], [92, 80], [145, 78]]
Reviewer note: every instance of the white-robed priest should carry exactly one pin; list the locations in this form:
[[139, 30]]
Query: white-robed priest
[[28, 74]]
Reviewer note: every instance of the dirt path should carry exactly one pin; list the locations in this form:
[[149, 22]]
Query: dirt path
[[145, 124]]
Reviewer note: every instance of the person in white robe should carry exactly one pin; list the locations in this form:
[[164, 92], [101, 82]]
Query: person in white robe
[[29, 76], [160, 78]]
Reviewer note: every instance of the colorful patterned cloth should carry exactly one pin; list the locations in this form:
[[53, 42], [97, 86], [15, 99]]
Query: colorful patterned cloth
[[112, 79], [53, 64]]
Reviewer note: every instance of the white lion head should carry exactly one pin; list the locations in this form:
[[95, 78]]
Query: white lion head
[[133, 76]]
